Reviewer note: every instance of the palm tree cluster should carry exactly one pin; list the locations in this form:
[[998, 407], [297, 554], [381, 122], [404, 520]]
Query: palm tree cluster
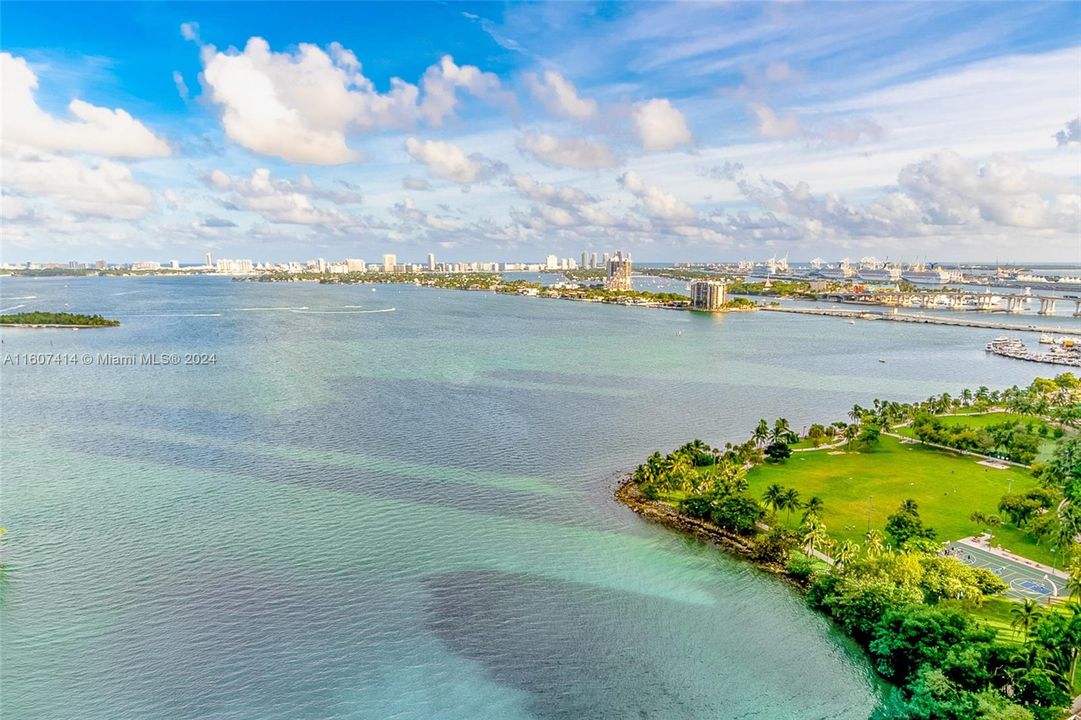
[[1058, 399]]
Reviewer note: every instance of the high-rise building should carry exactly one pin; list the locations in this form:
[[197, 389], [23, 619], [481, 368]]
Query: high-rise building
[[551, 262], [321, 263], [431, 262], [585, 260], [101, 264], [353, 265], [389, 261], [606, 258], [174, 264], [619, 273], [708, 294], [209, 261], [593, 261]]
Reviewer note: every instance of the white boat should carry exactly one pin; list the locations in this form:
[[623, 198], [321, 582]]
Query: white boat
[[1046, 339]]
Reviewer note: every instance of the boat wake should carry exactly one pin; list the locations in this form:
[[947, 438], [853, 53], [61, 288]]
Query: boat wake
[[13, 307], [341, 312], [289, 309], [171, 315]]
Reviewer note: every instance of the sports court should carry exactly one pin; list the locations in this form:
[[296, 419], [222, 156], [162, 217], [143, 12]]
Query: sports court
[[1027, 581]]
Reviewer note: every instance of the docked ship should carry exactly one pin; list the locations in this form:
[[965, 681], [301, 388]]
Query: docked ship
[[920, 274], [772, 268], [872, 270], [843, 271]]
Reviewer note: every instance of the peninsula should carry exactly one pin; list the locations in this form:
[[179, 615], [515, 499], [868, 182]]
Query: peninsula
[[941, 535]]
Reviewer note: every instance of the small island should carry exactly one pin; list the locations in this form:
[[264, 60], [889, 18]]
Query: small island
[[941, 535], [39, 319]]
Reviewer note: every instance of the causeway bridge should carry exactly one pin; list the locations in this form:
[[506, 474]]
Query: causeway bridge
[[958, 300]]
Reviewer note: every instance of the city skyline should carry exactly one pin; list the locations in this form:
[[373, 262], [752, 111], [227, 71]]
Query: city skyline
[[678, 133]]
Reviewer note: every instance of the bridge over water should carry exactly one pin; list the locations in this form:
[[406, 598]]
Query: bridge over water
[[959, 300]]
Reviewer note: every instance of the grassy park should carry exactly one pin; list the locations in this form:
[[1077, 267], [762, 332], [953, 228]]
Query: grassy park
[[981, 421], [860, 489]]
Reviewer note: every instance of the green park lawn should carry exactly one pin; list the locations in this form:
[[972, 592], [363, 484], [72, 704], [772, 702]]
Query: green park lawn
[[1047, 445], [861, 489]]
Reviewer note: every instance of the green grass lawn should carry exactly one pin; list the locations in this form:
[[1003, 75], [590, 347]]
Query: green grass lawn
[[1047, 445], [862, 489]]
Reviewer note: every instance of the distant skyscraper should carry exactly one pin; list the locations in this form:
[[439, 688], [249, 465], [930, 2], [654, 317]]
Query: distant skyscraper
[[619, 273], [606, 258], [389, 261], [322, 263], [431, 262], [174, 264], [593, 261], [209, 260], [585, 260], [354, 265], [101, 264], [551, 262]]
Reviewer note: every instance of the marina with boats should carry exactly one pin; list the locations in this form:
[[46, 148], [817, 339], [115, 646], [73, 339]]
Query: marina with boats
[[1062, 351]]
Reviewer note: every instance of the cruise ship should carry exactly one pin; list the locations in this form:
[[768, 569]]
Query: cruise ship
[[872, 270], [920, 274], [843, 271]]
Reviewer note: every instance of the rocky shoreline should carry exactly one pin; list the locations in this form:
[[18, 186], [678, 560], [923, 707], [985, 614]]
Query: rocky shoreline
[[628, 494]]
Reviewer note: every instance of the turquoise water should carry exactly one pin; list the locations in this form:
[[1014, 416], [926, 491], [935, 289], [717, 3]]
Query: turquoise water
[[408, 514]]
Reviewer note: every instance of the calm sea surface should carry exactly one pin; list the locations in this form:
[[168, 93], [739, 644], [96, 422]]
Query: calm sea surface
[[408, 514]]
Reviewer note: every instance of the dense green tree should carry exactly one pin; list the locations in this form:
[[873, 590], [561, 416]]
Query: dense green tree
[[906, 524]]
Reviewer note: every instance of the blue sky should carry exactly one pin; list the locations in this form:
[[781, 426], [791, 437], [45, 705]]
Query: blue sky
[[509, 131]]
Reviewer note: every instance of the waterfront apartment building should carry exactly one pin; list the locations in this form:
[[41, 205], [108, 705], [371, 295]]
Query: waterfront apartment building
[[708, 295], [551, 262], [431, 262], [234, 267], [355, 265], [619, 272], [389, 261]]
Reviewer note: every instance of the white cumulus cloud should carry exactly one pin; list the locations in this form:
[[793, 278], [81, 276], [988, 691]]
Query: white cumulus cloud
[[94, 130], [559, 96], [302, 106], [771, 125], [445, 160], [567, 152], [658, 203], [660, 125]]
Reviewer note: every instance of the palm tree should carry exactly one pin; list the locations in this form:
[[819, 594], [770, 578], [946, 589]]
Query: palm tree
[[856, 413], [791, 501], [781, 432], [813, 506], [873, 543], [732, 476], [774, 497], [1024, 617], [813, 533], [845, 553], [1073, 583], [761, 433]]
